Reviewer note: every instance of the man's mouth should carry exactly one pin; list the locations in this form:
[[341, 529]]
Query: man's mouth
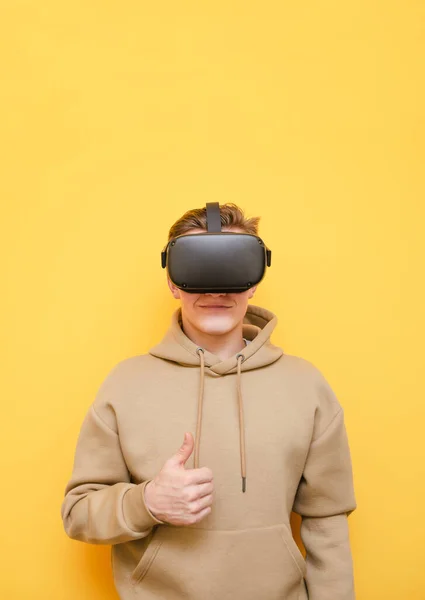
[[213, 306]]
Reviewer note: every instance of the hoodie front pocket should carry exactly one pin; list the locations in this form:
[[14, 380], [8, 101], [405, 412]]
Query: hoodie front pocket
[[148, 556], [194, 563], [293, 549]]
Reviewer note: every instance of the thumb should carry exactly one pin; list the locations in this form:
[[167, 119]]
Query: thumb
[[185, 450]]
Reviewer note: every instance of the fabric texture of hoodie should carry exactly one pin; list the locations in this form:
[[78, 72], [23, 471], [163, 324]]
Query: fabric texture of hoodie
[[272, 431]]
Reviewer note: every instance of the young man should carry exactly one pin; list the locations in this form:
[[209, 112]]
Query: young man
[[208, 517]]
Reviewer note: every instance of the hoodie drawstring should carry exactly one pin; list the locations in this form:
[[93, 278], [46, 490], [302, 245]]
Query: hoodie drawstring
[[200, 352], [240, 358]]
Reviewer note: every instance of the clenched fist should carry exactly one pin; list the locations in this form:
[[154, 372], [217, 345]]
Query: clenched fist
[[178, 495]]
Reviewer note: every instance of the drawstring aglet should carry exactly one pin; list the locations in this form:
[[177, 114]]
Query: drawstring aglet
[[243, 484]]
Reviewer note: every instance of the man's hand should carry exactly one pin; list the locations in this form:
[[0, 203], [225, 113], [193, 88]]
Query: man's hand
[[178, 495]]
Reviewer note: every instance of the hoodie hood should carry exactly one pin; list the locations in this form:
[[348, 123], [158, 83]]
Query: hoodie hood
[[258, 324]]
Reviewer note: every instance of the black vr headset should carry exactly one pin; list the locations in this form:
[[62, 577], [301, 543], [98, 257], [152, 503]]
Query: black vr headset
[[216, 261]]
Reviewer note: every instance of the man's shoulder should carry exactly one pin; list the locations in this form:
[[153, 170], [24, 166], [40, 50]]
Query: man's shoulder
[[299, 365], [307, 376], [122, 373], [120, 383]]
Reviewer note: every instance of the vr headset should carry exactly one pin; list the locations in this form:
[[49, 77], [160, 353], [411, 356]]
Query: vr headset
[[216, 261]]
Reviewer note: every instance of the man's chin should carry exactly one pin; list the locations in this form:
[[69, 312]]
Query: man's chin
[[216, 326]]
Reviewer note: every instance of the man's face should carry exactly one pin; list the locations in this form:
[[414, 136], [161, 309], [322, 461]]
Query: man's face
[[214, 314]]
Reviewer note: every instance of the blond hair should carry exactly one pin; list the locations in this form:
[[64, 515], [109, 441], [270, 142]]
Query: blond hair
[[231, 216]]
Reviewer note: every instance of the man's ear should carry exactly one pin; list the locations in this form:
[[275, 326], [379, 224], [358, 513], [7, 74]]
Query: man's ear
[[174, 289], [252, 291]]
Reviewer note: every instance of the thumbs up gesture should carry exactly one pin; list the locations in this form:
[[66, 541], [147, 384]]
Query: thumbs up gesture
[[178, 495]]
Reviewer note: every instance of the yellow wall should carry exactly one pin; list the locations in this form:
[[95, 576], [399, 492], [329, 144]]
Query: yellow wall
[[116, 117]]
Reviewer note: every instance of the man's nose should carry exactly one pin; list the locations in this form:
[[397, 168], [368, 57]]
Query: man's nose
[[216, 294]]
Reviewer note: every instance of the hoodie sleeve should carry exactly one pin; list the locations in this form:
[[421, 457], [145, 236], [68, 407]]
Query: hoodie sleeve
[[325, 498], [101, 505]]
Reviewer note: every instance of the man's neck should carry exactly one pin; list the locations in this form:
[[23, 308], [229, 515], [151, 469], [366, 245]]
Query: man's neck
[[222, 345]]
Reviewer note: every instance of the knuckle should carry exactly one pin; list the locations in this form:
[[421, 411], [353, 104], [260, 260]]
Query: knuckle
[[194, 507], [191, 519], [209, 473], [192, 496]]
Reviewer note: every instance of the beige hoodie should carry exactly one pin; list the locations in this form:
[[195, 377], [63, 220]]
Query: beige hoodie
[[263, 415]]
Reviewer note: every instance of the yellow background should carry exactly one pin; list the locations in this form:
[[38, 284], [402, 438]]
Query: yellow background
[[116, 117]]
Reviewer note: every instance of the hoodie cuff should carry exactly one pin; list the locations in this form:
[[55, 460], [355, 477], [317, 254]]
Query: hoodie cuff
[[136, 513]]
